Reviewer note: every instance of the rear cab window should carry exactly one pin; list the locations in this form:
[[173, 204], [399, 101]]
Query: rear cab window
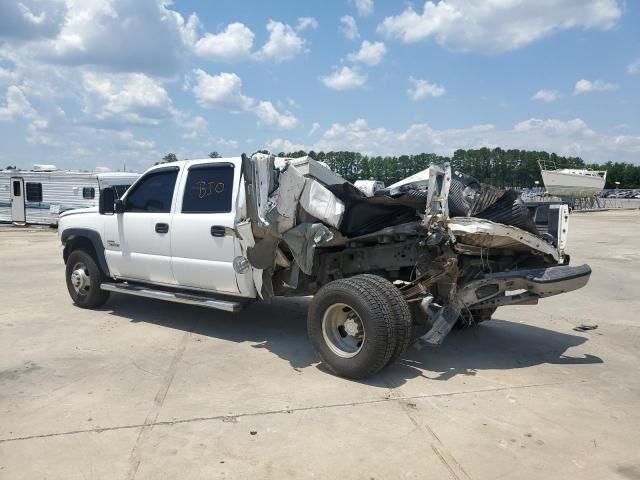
[[208, 189]]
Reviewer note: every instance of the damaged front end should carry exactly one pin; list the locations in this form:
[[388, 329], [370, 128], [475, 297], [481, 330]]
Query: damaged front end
[[456, 249]]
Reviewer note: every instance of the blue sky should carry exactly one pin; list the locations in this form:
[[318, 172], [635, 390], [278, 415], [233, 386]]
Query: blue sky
[[101, 83]]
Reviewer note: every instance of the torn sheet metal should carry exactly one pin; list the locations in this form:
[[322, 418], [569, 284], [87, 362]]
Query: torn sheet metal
[[245, 237], [477, 232], [322, 204], [417, 180], [443, 322], [285, 199], [302, 240], [259, 176], [292, 183], [369, 187], [311, 168]]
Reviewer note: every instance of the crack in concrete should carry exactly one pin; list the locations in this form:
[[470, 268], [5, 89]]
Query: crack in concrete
[[135, 457], [281, 411], [445, 457]]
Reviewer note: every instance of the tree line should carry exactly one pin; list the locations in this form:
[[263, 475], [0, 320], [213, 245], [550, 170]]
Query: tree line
[[502, 168], [498, 167]]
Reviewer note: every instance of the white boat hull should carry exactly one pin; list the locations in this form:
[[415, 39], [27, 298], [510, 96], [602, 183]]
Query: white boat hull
[[562, 184]]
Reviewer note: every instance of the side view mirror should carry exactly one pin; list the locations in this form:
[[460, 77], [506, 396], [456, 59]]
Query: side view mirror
[[119, 206], [107, 201]]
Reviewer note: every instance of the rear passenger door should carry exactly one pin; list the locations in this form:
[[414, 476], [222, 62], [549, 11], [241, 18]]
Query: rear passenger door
[[203, 244]]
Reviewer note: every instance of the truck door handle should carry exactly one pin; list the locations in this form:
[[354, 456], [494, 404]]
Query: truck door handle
[[217, 231], [162, 227]]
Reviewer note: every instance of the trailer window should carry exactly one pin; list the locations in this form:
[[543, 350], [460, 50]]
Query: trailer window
[[153, 193], [88, 192], [16, 188], [209, 189], [34, 192]]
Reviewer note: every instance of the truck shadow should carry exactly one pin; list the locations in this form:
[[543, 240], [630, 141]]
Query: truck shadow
[[280, 328], [494, 345]]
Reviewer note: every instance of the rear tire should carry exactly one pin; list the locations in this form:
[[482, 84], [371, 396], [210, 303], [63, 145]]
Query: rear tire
[[351, 326], [402, 319], [83, 280]]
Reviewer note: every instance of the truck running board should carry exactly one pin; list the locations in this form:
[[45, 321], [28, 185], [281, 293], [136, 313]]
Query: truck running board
[[187, 298]]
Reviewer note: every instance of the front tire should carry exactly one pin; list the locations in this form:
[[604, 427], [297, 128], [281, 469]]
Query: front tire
[[351, 327], [84, 277]]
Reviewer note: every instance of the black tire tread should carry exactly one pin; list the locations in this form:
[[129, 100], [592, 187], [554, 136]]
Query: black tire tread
[[401, 314], [96, 296], [378, 307]]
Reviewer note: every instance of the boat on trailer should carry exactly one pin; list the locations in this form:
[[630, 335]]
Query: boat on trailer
[[38, 196], [571, 182]]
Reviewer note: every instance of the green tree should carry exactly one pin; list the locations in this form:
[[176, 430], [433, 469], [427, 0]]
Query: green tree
[[215, 154], [170, 157]]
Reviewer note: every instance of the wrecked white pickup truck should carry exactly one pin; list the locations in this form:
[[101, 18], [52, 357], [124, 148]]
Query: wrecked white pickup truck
[[435, 251]]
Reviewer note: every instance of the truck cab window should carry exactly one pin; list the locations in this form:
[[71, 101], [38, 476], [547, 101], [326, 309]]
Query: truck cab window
[[209, 189], [153, 193]]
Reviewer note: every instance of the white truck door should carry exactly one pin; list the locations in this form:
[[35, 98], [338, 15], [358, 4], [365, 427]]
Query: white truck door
[[203, 243], [138, 241], [17, 200]]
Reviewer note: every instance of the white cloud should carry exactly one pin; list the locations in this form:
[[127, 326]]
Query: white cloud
[[314, 128], [117, 35], [283, 44], [306, 22], [370, 53], [196, 127], [271, 117], [499, 25], [132, 98], [634, 67], [570, 137], [346, 78], [30, 19], [17, 105], [7, 76], [423, 89], [282, 145], [349, 27], [234, 43], [364, 7], [129, 141], [225, 91], [587, 86], [546, 96]]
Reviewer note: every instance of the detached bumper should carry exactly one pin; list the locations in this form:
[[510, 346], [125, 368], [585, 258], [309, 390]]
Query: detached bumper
[[493, 289], [521, 287]]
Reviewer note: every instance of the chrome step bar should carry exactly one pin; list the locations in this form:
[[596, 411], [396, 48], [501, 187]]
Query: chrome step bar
[[186, 298]]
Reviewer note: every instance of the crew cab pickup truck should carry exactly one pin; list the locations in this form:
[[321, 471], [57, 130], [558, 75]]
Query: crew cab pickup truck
[[405, 264]]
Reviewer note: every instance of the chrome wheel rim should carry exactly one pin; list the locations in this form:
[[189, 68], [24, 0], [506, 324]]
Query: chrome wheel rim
[[80, 278], [343, 330]]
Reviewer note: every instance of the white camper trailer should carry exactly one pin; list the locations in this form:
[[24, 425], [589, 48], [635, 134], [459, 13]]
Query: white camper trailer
[[38, 196]]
